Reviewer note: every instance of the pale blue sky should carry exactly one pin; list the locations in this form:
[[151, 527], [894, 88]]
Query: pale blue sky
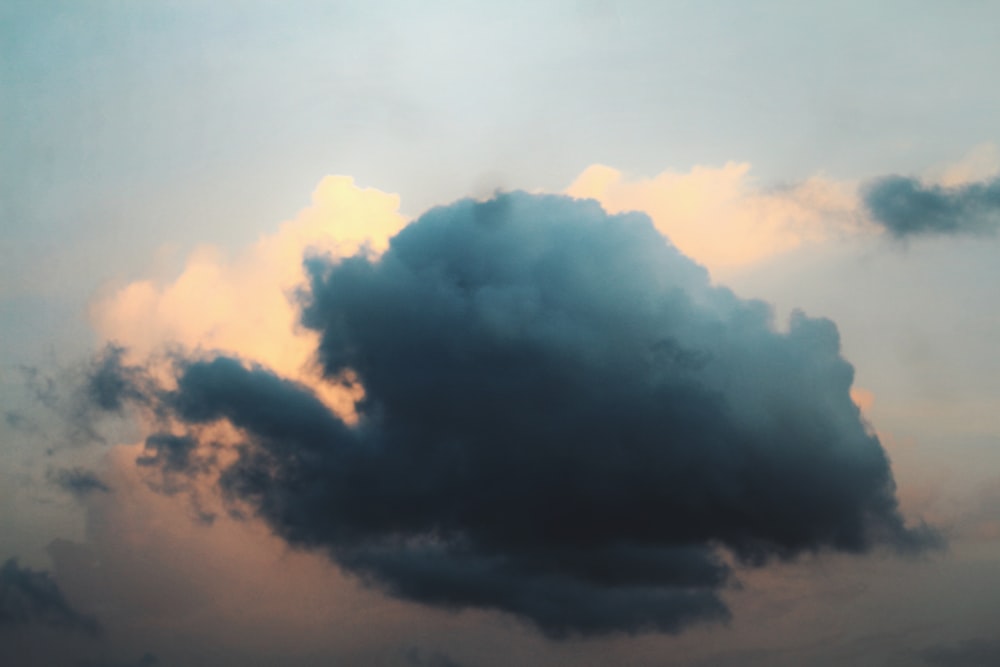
[[126, 125]]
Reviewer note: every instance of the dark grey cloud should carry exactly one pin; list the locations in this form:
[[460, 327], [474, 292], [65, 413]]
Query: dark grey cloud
[[171, 453], [178, 458], [563, 420], [81, 396], [78, 481], [969, 653], [32, 597], [906, 207], [110, 383]]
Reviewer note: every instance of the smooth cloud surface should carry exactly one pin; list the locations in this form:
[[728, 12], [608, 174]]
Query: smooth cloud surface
[[562, 419]]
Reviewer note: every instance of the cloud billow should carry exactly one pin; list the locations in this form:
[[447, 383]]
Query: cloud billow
[[563, 420], [906, 207]]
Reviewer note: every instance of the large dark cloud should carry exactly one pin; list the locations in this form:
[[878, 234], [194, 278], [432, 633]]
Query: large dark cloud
[[30, 597], [906, 207], [563, 419]]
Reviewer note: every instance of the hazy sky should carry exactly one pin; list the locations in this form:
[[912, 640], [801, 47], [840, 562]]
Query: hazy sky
[[527, 430]]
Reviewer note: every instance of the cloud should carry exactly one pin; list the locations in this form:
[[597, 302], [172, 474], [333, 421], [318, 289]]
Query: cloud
[[171, 453], [178, 589], [18, 421], [30, 597], [561, 419], [78, 481], [240, 304], [110, 383], [80, 396], [40, 386], [907, 207], [970, 653], [981, 163], [717, 217]]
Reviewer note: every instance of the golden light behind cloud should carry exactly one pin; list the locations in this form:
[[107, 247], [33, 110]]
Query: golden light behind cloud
[[244, 304], [715, 215]]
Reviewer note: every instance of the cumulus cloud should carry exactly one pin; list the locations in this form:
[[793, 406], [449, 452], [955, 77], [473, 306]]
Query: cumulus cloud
[[907, 207], [29, 597], [240, 304], [561, 419], [718, 217]]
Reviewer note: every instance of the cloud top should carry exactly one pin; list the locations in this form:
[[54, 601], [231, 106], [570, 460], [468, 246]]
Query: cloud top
[[719, 217]]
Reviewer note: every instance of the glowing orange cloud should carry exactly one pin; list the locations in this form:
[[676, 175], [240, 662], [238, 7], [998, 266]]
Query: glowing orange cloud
[[716, 216], [242, 305], [979, 164], [863, 398]]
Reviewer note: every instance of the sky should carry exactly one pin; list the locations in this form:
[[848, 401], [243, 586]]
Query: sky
[[462, 334]]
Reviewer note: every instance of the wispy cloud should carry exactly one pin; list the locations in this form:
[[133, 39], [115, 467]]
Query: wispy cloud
[[718, 217], [29, 597], [980, 652], [78, 481]]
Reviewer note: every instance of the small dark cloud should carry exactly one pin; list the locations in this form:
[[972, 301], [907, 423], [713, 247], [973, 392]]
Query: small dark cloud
[[78, 481], [110, 383], [563, 420], [80, 396], [171, 453], [906, 207], [32, 597], [969, 653], [177, 459]]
